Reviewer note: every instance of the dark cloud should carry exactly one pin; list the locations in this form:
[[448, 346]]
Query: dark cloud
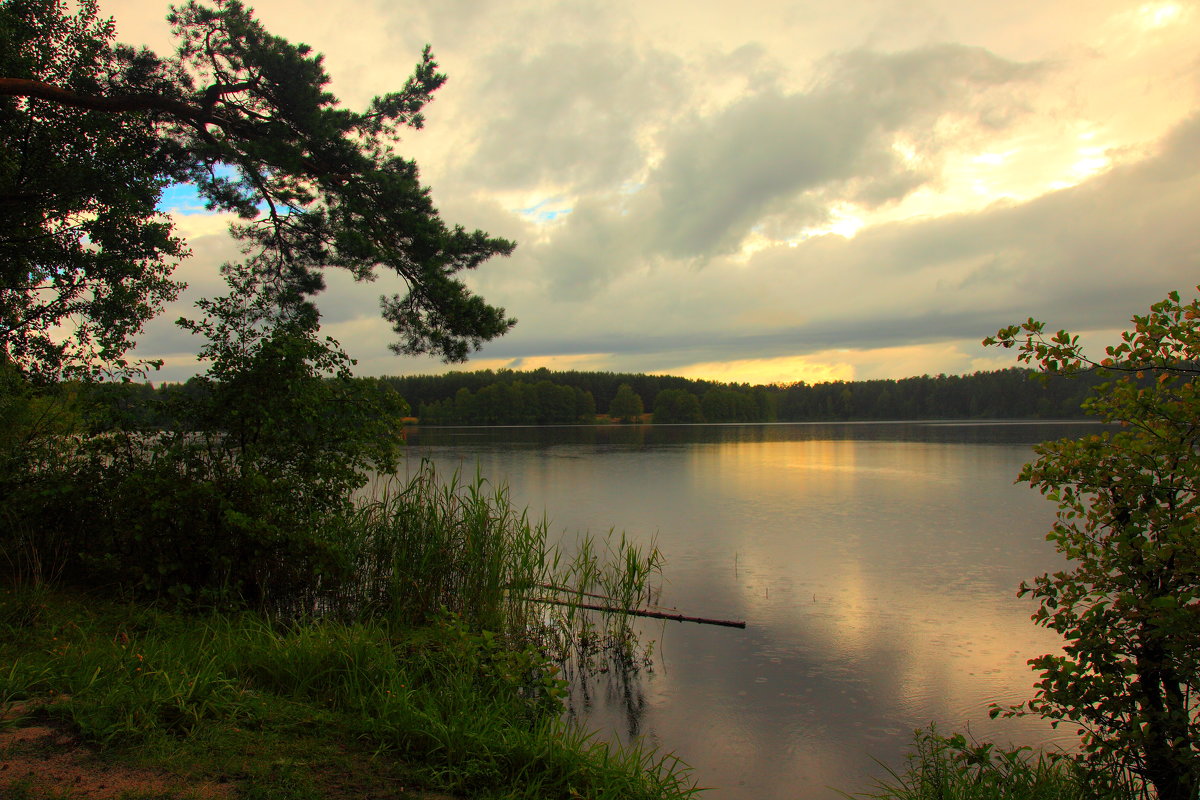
[[775, 162], [1085, 258], [568, 114], [677, 146]]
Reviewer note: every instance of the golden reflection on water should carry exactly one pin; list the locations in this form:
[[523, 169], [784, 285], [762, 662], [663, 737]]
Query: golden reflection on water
[[877, 576], [876, 555]]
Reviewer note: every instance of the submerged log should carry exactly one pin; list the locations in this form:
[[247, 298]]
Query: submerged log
[[640, 612]]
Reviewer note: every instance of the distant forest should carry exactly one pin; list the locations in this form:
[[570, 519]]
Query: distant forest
[[508, 397], [543, 397]]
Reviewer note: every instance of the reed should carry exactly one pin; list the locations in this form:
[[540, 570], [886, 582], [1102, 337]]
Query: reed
[[952, 768], [430, 546]]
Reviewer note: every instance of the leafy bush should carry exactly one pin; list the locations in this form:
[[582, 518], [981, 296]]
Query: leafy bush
[[1129, 521], [244, 504]]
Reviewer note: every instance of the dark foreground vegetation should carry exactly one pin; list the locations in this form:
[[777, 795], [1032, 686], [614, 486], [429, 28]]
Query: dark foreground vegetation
[[216, 606]]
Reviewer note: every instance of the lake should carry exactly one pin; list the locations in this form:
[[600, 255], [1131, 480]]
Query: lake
[[875, 564]]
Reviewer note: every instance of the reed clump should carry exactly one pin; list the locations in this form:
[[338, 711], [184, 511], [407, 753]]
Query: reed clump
[[954, 768], [427, 547]]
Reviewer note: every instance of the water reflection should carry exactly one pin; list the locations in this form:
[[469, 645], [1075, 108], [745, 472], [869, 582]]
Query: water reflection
[[876, 566], [620, 692], [638, 436]]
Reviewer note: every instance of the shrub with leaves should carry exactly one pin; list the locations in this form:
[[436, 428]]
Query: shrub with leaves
[[1129, 605], [246, 501]]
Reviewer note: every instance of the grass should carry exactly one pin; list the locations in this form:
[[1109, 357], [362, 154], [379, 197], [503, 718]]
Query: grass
[[429, 545], [952, 768], [421, 659], [320, 709]]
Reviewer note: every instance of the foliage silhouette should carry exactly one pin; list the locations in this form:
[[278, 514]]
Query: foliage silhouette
[[94, 130]]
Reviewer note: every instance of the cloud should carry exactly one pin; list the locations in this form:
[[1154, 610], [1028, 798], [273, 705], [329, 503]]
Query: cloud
[[794, 154], [781, 162], [704, 158], [569, 115], [1085, 258]]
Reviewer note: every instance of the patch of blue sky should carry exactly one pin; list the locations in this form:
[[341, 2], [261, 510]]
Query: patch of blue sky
[[547, 210], [181, 198]]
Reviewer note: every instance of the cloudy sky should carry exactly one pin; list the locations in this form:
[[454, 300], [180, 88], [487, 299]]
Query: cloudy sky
[[771, 190]]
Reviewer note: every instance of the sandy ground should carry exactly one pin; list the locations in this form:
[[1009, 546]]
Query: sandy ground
[[49, 761]]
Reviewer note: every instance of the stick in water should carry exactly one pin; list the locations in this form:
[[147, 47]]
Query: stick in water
[[641, 612]]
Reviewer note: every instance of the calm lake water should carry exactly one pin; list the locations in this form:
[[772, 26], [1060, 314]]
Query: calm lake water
[[875, 564]]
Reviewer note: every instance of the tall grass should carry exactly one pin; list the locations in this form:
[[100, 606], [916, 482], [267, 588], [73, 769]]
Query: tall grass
[[461, 708], [952, 768], [430, 545]]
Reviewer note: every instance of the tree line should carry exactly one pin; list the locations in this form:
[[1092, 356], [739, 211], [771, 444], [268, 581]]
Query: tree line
[[545, 397], [509, 397]]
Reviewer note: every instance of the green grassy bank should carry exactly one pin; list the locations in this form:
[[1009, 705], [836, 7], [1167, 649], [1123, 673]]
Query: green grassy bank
[[319, 709], [221, 620]]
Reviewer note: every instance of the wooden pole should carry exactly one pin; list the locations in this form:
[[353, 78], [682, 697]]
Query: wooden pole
[[640, 612]]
